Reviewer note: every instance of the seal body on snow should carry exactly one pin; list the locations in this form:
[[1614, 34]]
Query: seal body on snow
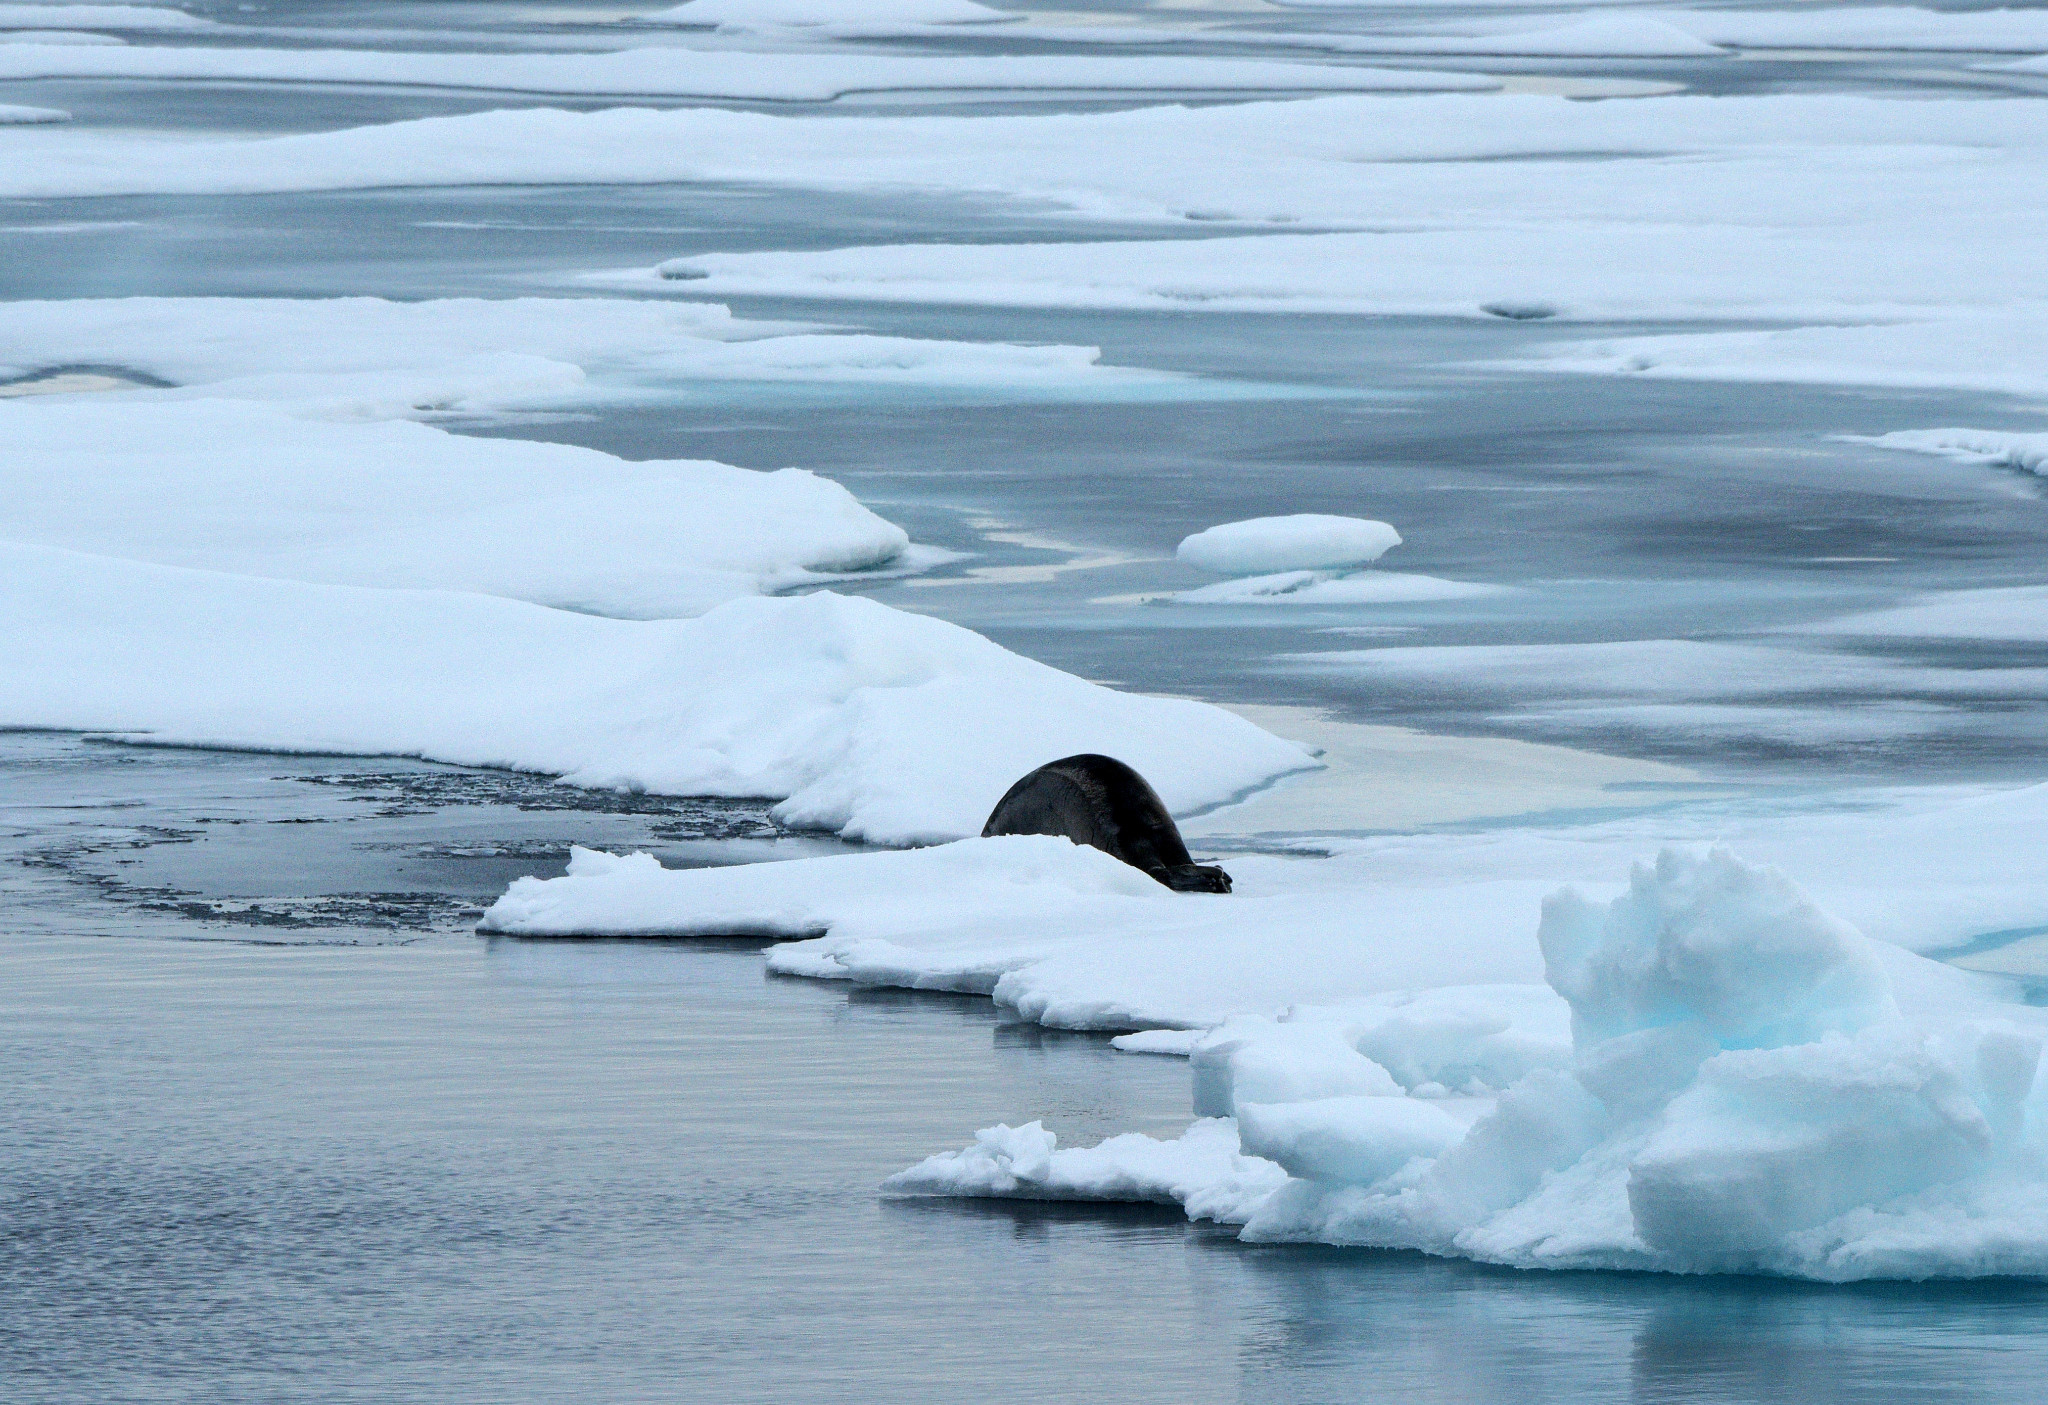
[[1101, 802]]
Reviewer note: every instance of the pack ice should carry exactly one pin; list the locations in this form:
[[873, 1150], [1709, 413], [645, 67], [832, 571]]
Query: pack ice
[[1747, 1086]]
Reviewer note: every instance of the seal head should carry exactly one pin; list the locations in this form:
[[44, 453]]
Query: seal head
[[1101, 802]]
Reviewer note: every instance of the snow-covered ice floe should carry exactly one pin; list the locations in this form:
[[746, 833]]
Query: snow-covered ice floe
[[1994, 447], [863, 720], [231, 486], [723, 73], [1748, 1086], [1307, 541], [14, 115], [1307, 559], [369, 358], [826, 14]]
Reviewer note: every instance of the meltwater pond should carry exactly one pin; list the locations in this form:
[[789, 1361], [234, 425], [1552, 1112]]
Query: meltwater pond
[[352, 1159]]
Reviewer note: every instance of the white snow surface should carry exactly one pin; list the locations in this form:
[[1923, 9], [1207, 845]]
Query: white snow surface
[[369, 358], [1749, 1086], [770, 14], [2017, 614], [233, 486], [866, 721], [1308, 541], [722, 73]]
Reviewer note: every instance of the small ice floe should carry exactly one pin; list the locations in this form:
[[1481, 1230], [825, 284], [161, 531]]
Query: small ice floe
[[1722, 1078], [1308, 559], [1994, 448], [13, 115], [1519, 311]]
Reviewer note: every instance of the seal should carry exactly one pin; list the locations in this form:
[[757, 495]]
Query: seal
[[1101, 802]]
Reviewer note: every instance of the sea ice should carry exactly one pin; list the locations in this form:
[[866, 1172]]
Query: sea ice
[[12, 115], [722, 73], [863, 720], [370, 358], [1996, 447], [231, 486], [1335, 588], [1749, 1087], [1896, 27], [1308, 541], [769, 14]]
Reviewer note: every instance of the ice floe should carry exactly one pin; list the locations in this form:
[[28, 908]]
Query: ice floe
[[1308, 541], [1067, 937], [1307, 559], [866, 721], [2013, 613], [14, 115], [369, 358], [723, 73], [231, 486], [1749, 1085], [1898, 27], [771, 14], [1995, 447]]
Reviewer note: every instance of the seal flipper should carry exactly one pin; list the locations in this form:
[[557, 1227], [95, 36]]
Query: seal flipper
[[1101, 802]]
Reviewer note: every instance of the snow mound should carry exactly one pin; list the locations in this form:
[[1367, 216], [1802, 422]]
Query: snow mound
[[1993, 447], [1309, 541], [1741, 1094], [759, 14], [863, 720], [1335, 588], [233, 486]]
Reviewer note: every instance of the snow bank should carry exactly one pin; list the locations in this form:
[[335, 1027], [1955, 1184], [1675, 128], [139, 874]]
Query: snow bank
[[1997, 448], [722, 73], [867, 721], [1749, 1090], [760, 14], [369, 358], [1308, 541], [232, 486]]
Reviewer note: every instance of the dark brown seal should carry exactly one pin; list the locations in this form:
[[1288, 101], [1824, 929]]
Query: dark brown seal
[[1101, 802]]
